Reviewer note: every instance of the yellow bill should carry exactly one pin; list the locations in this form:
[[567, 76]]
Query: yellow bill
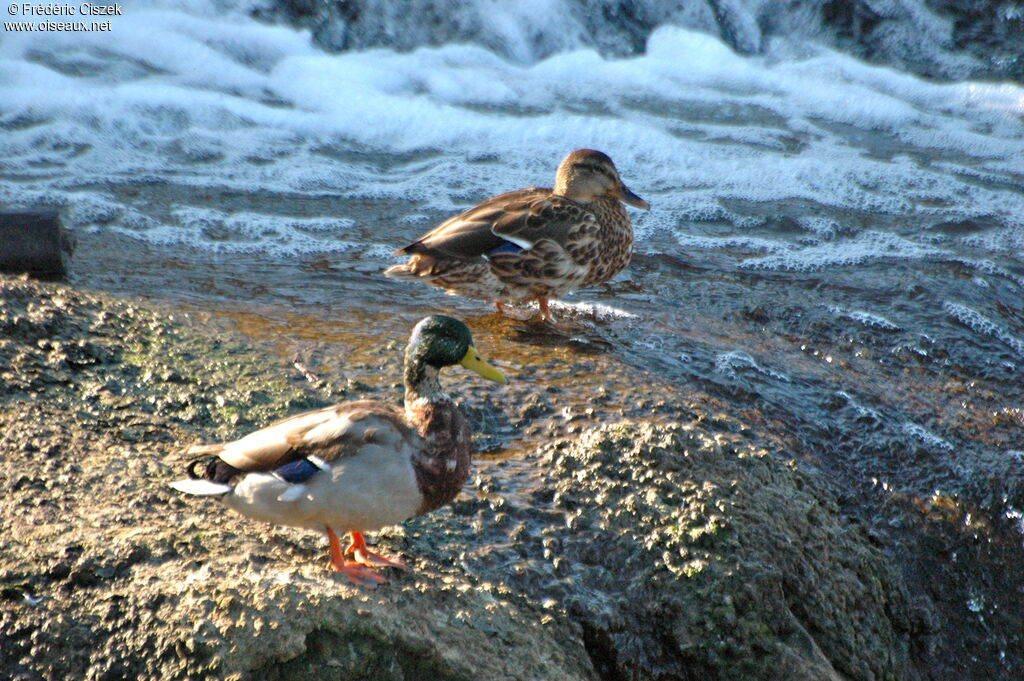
[[474, 362]]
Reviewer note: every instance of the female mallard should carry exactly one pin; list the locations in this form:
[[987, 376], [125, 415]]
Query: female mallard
[[356, 466], [533, 243]]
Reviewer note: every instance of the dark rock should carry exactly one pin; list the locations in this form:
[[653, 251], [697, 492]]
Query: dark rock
[[991, 31], [951, 39], [737, 26], [34, 242]]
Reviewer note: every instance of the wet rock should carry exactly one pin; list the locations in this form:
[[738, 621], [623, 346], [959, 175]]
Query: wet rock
[[105, 573], [950, 39], [994, 32], [689, 553], [691, 547]]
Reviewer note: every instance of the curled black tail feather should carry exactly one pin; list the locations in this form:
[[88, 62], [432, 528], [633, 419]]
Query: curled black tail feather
[[205, 467]]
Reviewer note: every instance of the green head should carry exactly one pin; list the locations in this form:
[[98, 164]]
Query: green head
[[441, 341]]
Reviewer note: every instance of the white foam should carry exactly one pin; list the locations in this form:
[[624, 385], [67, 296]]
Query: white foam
[[223, 233], [865, 318], [925, 437], [981, 324], [728, 363], [988, 266], [1005, 240], [597, 310], [862, 411], [862, 248], [730, 243], [210, 98]]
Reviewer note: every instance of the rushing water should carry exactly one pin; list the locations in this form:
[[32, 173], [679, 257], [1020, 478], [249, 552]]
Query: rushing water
[[833, 247]]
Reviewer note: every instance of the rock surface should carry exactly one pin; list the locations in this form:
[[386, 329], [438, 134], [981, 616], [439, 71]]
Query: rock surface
[[108, 574], [687, 550], [951, 39]]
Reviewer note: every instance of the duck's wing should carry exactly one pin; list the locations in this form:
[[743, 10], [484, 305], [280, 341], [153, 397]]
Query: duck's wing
[[551, 217], [322, 436], [516, 218]]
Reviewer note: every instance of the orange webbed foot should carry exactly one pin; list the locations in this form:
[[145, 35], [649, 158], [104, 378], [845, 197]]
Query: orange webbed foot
[[363, 556], [357, 574], [353, 570]]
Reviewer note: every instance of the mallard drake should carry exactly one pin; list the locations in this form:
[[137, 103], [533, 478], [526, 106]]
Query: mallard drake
[[534, 243], [356, 466]]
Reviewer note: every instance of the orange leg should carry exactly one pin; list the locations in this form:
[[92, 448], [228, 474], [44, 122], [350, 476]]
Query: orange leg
[[356, 573], [499, 306], [548, 317], [545, 313], [363, 556]]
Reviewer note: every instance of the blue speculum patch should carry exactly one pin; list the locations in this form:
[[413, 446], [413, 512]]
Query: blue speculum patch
[[506, 247], [297, 471]]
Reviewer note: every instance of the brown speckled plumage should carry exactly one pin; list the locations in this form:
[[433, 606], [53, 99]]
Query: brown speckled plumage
[[534, 243]]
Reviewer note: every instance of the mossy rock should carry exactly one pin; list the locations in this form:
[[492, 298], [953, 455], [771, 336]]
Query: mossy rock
[[106, 573], [637, 551], [687, 553]]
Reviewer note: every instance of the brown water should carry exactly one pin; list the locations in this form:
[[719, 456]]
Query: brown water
[[923, 403]]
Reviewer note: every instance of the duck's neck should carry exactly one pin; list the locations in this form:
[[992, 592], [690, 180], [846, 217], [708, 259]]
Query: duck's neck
[[615, 237], [421, 383], [442, 464], [610, 214]]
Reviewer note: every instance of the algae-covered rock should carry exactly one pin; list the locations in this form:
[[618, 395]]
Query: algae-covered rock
[[634, 551], [105, 573], [691, 554]]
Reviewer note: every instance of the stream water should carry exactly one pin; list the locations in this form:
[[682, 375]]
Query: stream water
[[833, 249]]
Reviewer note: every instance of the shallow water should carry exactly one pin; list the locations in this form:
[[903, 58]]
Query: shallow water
[[915, 400]]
